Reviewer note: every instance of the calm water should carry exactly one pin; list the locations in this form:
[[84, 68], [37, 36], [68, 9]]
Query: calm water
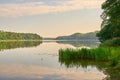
[[40, 61]]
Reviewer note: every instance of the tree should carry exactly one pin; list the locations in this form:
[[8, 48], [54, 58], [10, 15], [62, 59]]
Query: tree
[[110, 27]]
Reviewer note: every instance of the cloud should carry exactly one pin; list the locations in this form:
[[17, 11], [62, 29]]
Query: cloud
[[40, 7]]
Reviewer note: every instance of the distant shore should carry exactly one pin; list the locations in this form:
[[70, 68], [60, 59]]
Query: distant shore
[[17, 40]]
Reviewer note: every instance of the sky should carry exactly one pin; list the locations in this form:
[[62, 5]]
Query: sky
[[50, 18]]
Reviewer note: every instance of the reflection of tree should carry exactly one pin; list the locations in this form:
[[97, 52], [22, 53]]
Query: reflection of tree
[[82, 63], [88, 43], [18, 44], [111, 72]]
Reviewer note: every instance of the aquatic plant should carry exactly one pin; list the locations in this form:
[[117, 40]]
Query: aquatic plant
[[100, 53]]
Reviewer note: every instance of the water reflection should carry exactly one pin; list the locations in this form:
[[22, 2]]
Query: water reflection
[[18, 44], [82, 63], [87, 43], [32, 72], [41, 63], [23, 44], [110, 72]]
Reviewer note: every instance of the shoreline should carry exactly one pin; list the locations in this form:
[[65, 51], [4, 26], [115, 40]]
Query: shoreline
[[17, 40]]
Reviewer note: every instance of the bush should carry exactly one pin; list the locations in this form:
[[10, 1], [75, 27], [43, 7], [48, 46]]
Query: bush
[[113, 42]]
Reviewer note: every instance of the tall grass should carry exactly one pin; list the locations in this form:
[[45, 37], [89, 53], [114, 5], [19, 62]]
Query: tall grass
[[100, 53], [106, 59]]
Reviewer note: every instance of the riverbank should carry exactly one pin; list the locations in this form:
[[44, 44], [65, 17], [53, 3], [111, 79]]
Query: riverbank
[[108, 54]]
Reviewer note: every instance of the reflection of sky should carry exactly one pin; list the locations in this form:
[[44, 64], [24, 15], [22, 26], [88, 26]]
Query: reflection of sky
[[41, 63], [46, 54], [40, 55], [17, 72]]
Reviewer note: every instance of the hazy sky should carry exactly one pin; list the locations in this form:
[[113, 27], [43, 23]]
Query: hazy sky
[[50, 18]]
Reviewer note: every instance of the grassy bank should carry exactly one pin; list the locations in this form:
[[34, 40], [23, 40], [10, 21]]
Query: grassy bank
[[110, 54], [106, 59]]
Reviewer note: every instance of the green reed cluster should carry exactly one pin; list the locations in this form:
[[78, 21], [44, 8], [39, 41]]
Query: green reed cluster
[[100, 53]]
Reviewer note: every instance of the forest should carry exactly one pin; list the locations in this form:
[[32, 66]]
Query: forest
[[18, 36]]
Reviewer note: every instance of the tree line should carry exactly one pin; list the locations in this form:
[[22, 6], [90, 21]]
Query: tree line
[[18, 36]]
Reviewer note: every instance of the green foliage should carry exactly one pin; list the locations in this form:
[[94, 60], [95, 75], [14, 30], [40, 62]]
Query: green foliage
[[18, 36], [106, 59], [111, 42], [114, 61], [111, 20], [99, 54], [103, 58], [105, 33]]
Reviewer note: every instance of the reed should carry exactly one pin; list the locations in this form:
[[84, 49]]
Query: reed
[[100, 53]]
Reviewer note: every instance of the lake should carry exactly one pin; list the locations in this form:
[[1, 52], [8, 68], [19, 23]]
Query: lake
[[40, 61]]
